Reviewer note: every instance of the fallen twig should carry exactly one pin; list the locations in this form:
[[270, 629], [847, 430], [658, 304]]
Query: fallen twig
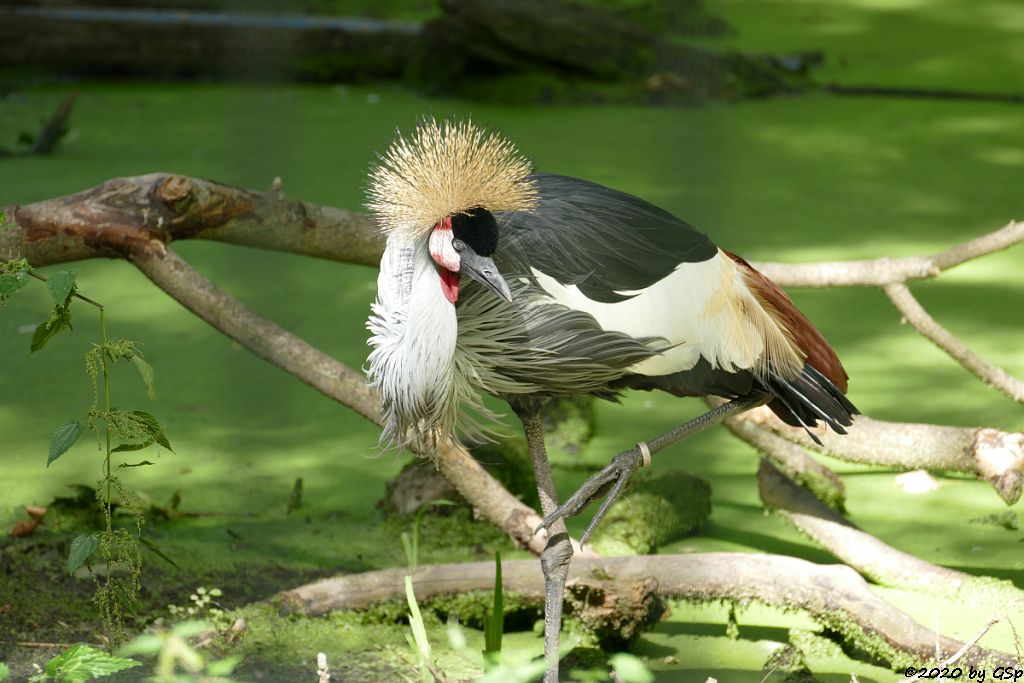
[[955, 657]]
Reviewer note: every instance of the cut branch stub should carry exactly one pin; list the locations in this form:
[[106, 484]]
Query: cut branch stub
[[999, 458]]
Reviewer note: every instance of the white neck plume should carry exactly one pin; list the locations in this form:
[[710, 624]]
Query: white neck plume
[[414, 333]]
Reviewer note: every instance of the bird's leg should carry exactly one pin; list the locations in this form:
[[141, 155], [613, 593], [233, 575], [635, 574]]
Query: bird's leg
[[622, 467], [554, 561]]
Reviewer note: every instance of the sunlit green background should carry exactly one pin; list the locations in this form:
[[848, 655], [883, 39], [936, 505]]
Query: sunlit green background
[[787, 179]]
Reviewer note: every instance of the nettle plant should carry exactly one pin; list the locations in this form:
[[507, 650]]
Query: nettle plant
[[113, 554]]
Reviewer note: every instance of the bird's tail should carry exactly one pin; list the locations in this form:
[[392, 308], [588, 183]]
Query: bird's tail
[[808, 398], [817, 392]]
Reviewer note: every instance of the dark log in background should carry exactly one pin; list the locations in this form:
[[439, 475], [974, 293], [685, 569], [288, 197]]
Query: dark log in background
[[502, 50]]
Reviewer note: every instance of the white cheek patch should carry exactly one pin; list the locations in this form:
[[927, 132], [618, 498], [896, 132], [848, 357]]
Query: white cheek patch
[[441, 249]]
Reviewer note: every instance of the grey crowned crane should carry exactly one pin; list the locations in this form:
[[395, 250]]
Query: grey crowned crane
[[529, 285]]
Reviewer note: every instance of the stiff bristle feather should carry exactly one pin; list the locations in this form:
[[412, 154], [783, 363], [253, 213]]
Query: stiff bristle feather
[[444, 169]]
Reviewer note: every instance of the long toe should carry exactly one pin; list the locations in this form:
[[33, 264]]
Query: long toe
[[608, 484]]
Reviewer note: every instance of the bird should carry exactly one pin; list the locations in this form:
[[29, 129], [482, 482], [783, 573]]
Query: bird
[[497, 279]]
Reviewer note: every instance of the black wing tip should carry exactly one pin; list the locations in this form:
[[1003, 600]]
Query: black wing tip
[[811, 398]]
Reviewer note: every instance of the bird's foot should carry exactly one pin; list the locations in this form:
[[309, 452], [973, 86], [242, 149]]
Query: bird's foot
[[616, 475]]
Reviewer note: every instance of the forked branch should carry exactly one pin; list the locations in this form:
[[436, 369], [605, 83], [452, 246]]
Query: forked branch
[[893, 274]]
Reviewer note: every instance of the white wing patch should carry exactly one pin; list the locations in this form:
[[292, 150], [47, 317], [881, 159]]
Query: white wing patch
[[702, 309]]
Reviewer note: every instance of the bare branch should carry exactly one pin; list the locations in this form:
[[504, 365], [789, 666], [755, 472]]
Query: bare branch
[[990, 454], [834, 595], [883, 271], [869, 556], [882, 563], [915, 315]]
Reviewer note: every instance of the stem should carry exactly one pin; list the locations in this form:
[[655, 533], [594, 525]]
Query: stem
[[106, 412], [43, 278]]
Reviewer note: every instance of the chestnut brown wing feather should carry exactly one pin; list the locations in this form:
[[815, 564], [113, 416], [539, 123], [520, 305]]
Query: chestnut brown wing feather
[[819, 354]]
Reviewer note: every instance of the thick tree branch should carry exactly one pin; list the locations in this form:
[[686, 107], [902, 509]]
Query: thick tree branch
[[131, 216], [835, 596], [914, 314]]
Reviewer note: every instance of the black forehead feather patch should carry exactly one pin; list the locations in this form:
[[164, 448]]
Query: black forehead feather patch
[[478, 229]]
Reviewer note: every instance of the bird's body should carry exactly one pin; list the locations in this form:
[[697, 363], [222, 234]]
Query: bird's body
[[572, 288], [608, 293]]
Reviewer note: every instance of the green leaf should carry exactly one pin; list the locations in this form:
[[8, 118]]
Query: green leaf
[[146, 371], [137, 429], [153, 548], [60, 319], [153, 427], [410, 554], [61, 286], [81, 548], [4, 671], [419, 628], [132, 447], [631, 669], [64, 437], [191, 629], [81, 663], [13, 276]]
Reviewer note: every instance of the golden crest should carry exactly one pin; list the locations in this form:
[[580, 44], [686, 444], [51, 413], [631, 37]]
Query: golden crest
[[444, 169]]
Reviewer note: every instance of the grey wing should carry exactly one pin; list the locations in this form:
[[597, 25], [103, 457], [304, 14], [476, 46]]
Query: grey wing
[[601, 240]]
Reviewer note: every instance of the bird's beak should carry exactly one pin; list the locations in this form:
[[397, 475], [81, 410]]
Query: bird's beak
[[483, 270]]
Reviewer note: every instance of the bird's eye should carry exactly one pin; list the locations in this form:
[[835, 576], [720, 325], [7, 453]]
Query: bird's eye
[[458, 245]]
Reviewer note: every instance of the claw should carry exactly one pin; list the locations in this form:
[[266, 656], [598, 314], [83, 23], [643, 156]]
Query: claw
[[618, 472]]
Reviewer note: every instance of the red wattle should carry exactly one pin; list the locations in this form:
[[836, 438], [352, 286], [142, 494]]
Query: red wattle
[[450, 284]]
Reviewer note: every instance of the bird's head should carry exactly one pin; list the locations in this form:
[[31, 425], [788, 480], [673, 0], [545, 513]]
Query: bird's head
[[442, 185], [465, 243]]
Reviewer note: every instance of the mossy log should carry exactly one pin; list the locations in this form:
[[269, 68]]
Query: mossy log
[[834, 595], [655, 510], [155, 44], [512, 50], [483, 47]]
